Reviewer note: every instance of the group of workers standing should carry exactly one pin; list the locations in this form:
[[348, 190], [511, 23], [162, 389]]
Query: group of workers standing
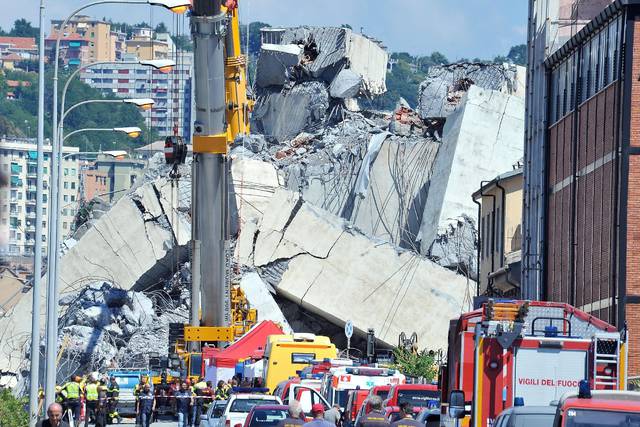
[[99, 396]]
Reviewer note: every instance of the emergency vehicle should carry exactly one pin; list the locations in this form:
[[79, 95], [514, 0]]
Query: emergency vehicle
[[530, 351], [610, 408], [284, 355], [418, 396], [337, 383]]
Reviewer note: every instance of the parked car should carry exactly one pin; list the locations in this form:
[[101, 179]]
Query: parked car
[[266, 415], [238, 408], [526, 416], [214, 412]]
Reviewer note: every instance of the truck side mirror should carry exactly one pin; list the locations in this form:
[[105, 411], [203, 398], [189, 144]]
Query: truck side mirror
[[456, 404]]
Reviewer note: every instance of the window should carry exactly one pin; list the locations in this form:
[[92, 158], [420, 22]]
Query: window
[[65, 198], [66, 171], [73, 185], [305, 358], [73, 172], [73, 198], [498, 231], [64, 225], [66, 185]]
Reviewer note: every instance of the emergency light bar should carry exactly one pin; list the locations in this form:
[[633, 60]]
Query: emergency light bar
[[249, 390], [373, 372]]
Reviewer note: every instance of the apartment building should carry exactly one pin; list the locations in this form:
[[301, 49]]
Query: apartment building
[[113, 176], [499, 249], [96, 32], [18, 162], [171, 92], [143, 45]]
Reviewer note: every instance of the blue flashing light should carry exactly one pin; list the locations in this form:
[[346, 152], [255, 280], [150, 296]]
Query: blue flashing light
[[550, 331], [518, 401], [584, 390]]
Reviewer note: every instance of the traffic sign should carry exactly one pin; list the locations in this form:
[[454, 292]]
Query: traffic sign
[[348, 329]]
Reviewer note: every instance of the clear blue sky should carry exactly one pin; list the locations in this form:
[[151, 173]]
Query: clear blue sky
[[458, 28]]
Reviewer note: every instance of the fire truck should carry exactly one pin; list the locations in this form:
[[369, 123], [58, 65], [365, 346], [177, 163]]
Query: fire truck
[[337, 383], [532, 352]]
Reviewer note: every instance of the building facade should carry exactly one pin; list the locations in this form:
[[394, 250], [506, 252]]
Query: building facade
[[172, 92], [592, 199], [499, 218], [551, 24], [143, 45], [97, 33], [121, 174], [18, 160]]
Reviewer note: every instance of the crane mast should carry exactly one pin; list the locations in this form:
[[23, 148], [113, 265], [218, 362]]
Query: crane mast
[[221, 114]]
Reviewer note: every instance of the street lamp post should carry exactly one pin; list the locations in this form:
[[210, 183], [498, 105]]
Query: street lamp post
[[131, 131], [176, 6]]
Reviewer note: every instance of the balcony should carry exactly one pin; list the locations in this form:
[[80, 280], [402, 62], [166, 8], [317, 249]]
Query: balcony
[[30, 215], [30, 202], [32, 188], [33, 175], [30, 242], [30, 228]]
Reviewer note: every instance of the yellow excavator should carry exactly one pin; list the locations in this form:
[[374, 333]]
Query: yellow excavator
[[221, 115]]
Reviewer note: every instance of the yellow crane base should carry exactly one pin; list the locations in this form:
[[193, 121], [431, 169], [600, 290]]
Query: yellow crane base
[[208, 333]]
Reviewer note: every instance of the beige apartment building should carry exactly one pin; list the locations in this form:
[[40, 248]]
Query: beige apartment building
[[18, 158], [144, 46], [499, 224], [101, 42]]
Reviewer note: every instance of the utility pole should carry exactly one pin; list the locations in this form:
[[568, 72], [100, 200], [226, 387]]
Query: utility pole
[[210, 166], [37, 256]]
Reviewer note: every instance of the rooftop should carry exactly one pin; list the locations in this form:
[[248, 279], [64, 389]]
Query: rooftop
[[19, 42]]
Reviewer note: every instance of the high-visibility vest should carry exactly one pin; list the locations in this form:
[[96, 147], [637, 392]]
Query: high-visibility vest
[[73, 390], [92, 391]]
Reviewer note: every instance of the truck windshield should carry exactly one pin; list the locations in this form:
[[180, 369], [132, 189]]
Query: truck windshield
[[341, 397], [595, 418], [421, 398], [533, 420], [383, 394], [245, 405]]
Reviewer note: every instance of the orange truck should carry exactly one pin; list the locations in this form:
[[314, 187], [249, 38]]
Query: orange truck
[[529, 352]]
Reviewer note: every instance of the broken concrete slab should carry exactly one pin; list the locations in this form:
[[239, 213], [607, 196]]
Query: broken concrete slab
[[346, 84], [283, 114], [445, 85], [483, 137], [260, 298], [274, 62], [332, 259]]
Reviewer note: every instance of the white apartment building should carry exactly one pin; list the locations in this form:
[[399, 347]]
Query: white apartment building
[[18, 164], [172, 92]]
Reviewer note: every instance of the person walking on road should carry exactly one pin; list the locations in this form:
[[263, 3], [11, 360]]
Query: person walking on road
[[184, 400], [54, 417], [296, 416], [333, 415], [376, 417], [146, 404], [406, 417], [317, 410]]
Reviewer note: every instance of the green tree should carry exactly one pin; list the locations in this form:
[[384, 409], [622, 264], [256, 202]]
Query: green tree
[[255, 40], [23, 28], [183, 43], [417, 365], [161, 28], [12, 410], [518, 54]]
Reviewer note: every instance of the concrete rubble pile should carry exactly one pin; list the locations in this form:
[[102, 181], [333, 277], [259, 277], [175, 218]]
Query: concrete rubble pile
[[306, 75], [133, 245]]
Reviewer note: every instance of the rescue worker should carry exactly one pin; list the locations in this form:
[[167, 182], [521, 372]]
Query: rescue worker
[[333, 415], [139, 388], [102, 406], [406, 417], [376, 417], [198, 402], [91, 397], [73, 393], [184, 400], [113, 393], [296, 416], [161, 393], [208, 393], [145, 405], [221, 392], [317, 411]]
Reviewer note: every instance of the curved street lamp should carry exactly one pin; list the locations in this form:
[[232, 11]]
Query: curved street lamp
[[176, 6], [131, 131]]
